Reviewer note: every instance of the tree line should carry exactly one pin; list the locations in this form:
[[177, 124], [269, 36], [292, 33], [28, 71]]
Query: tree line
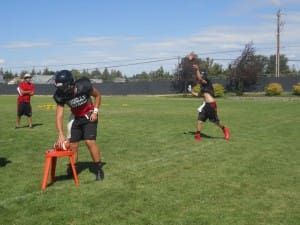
[[242, 70]]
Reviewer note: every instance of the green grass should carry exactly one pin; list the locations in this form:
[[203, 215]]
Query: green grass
[[156, 173]]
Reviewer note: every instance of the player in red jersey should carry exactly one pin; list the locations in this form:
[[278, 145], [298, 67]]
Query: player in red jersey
[[25, 91]]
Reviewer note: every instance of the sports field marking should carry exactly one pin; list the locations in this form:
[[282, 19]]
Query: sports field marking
[[47, 106]]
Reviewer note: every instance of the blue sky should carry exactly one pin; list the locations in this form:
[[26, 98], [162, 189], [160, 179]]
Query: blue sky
[[127, 34]]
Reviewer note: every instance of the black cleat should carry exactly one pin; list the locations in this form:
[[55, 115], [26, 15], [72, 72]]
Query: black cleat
[[99, 171]]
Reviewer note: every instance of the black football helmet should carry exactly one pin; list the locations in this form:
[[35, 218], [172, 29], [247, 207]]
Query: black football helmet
[[64, 81], [203, 72]]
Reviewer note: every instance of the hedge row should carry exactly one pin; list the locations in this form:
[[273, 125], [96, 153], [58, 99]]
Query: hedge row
[[271, 89]]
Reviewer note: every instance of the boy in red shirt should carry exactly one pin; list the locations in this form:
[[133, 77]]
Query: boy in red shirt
[[25, 91]]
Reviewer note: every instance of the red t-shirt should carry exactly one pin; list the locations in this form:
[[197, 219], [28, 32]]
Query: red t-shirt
[[25, 86]]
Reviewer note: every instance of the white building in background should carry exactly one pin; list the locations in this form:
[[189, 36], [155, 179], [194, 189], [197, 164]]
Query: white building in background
[[96, 81], [119, 80], [42, 79], [36, 79], [15, 80]]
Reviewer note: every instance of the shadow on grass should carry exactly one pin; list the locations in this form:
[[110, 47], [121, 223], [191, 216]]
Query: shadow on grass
[[33, 125], [37, 124], [80, 166], [202, 135], [4, 162]]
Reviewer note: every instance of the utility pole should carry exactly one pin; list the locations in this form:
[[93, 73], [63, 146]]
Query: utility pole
[[279, 24], [179, 69]]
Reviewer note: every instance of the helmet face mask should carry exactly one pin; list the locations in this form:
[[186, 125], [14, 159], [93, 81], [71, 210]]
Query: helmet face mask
[[64, 87], [203, 72], [64, 81]]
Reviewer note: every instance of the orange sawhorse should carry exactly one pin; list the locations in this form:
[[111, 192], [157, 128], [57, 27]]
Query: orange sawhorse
[[51, 158]]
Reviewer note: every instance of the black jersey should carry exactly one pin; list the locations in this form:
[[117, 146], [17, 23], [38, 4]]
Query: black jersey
[[208, 87], [80, 100]]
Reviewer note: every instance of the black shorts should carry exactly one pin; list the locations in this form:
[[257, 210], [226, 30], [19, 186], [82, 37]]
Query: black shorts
[[24, 108], [209, 111], [83, 129]]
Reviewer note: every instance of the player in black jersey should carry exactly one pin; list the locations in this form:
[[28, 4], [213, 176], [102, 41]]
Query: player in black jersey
[[77, 95], [208, 110]]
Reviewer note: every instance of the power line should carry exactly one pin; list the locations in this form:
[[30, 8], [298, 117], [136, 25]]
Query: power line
[[107, 64], [148, 60], [139, 63]]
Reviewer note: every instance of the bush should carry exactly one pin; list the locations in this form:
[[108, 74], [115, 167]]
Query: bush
[[197, 88], [296, 89], [219, 90], [273, 89]]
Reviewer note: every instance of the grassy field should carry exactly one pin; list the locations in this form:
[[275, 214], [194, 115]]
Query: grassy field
[[156, 173]]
